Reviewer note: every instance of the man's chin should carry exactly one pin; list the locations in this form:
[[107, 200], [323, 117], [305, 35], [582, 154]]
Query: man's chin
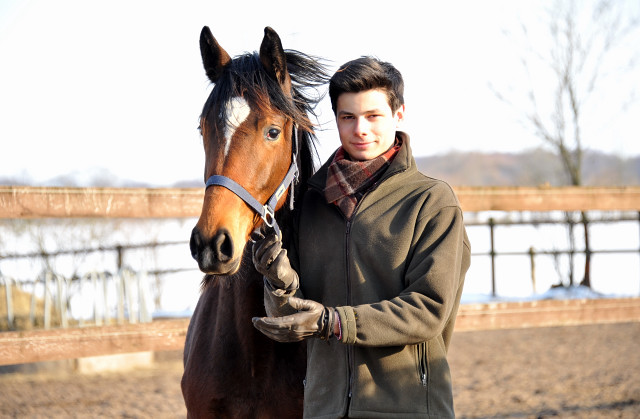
[[364, 152]]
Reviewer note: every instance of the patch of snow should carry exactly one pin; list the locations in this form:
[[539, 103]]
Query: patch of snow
[[576, 292]]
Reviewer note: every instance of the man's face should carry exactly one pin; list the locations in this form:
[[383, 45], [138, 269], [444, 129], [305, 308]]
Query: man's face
[[366, 123]]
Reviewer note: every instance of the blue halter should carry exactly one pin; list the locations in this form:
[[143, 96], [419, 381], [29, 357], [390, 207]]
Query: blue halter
[[266, 211]]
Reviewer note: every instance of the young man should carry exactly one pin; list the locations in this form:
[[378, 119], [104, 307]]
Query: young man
[[380, 255]]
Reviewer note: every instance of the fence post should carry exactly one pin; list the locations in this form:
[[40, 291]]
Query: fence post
[[47, 301], [61, 297], [8, 295], [119, 250], [97, 320], [493, 257], [105, 293], [32, 306], [120, 296], [143, 309], [532, 258], [572, 247], [81, 281], [128, 294]]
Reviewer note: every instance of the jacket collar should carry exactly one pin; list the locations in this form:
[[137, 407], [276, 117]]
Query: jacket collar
[[402, 161]]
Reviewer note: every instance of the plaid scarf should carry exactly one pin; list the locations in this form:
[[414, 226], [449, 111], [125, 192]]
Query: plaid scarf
[[348, 180]]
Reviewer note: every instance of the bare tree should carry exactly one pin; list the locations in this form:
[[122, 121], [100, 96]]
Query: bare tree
[[583, 37]]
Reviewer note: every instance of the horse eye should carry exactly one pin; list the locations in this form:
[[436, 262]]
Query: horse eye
[[272, 134]]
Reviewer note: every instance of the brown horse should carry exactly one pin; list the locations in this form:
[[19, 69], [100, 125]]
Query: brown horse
[[258, 140]]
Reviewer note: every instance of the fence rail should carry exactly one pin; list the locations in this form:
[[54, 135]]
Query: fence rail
[[34, 202], [50, 345], [164, 335]]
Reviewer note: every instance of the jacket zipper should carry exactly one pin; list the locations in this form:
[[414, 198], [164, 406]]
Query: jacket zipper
[[350, 348], [422, 363], [350, 360]]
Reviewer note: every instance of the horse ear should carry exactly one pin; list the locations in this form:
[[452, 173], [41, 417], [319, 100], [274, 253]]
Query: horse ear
[[214, 57], [274, 59]]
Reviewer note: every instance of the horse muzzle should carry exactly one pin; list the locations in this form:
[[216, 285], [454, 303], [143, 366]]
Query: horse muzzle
[[215, 255]]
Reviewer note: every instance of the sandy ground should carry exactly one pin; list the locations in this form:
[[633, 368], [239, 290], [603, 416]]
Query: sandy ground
[[568, 372]]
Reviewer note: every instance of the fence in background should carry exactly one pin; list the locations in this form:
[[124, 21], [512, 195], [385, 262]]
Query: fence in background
[[129, 290], [533, 254], [115, 299], [33, 202], [26, 202]]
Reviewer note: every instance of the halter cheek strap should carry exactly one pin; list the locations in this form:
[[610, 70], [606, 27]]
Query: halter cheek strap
[[266, 211]]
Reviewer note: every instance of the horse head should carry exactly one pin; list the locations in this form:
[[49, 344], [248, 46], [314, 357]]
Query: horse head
[[248, 128]]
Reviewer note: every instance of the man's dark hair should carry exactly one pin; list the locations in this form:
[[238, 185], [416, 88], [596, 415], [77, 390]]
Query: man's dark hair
[[367, 73]]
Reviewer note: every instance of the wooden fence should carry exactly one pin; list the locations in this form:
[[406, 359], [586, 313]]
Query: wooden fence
[[30, 202], [164, 335]]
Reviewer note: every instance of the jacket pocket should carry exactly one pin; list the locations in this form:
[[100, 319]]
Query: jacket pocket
[[422, 363]]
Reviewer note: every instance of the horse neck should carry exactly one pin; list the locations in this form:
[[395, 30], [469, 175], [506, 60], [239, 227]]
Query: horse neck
[[286, 216]]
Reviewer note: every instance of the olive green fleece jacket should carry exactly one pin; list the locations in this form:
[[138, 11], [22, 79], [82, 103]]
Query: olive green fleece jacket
[[394, 273]]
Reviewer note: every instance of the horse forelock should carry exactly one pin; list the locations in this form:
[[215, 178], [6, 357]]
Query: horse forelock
[[247, 78]]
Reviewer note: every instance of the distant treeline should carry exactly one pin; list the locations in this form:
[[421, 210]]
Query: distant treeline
[[528, 168]]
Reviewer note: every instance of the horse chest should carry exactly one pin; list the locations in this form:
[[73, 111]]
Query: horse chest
[[232, 370]]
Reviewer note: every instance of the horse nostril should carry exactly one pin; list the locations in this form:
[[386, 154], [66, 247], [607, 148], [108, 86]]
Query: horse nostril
[[195, 243], [211, 253], [223, 245]]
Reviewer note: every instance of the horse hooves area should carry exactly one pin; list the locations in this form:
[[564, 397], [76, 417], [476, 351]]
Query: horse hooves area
[[567, 372]]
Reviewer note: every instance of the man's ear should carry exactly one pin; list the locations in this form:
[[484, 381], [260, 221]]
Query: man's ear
[[399, 115]]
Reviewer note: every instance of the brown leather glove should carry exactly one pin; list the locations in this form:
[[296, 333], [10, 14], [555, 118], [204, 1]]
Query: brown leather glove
[[312, 319], [271, 260]]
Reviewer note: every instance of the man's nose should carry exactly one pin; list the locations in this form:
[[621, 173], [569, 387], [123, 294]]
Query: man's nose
[[361, 127]]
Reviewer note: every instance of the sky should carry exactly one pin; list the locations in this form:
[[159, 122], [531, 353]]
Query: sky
[[99, 87]]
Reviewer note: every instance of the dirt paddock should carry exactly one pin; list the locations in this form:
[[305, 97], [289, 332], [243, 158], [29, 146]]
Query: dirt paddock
[[569, 372]]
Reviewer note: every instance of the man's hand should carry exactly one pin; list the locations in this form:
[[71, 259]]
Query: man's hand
[[312, 319], [271, 260]]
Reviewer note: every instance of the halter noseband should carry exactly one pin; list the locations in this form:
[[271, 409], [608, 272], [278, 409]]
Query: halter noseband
[[266, 211]]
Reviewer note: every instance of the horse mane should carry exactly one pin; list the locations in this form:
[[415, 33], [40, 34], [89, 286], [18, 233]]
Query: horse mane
[[307, 74]]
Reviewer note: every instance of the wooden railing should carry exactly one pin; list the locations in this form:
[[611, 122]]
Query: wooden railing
[[169, 334], [33, 202]]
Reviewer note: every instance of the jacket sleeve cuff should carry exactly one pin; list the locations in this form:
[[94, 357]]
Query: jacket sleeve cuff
[[348, 323]]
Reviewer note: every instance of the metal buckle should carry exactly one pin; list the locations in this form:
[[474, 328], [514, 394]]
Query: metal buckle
[[268, 216]]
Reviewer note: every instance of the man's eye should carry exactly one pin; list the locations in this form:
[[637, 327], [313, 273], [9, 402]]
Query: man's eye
[[272, 134]]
